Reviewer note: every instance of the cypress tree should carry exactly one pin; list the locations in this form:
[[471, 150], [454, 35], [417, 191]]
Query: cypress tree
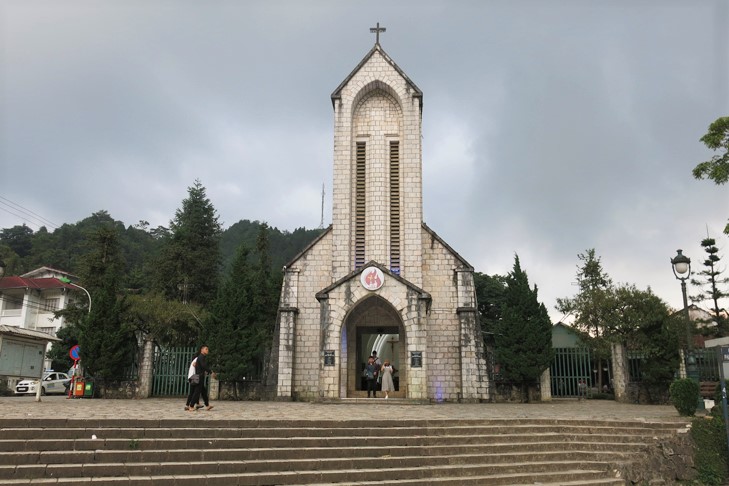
[[523, 336]]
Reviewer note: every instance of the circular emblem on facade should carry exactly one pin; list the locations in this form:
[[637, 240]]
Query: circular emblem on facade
[[372, 278]]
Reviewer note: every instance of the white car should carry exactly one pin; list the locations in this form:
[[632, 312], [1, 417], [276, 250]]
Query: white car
[[53, 382]]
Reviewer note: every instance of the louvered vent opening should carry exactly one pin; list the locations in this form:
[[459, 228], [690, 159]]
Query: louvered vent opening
[[359, 206], [395, 207]]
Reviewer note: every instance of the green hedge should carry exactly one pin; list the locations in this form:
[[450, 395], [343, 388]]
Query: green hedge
[[685, 396]]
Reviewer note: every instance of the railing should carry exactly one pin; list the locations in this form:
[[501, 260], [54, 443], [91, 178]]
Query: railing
[[170, 371], [706, 362], [571, 372]]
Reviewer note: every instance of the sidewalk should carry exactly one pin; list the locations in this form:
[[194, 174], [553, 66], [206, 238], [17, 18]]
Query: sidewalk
[[375, 409]]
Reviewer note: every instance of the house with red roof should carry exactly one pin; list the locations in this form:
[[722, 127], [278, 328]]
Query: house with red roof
[[29, 301]]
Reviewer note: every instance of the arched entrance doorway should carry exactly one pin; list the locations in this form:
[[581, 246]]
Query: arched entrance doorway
[[373, 325]]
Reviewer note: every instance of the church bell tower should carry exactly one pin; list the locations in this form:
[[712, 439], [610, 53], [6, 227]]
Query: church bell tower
[[379, 279], [377, 191]]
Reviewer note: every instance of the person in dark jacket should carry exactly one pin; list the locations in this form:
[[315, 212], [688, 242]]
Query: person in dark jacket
[[369, 372], [202, 369]]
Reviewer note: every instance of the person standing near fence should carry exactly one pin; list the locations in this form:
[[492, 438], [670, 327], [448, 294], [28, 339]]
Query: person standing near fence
[[202, 369]]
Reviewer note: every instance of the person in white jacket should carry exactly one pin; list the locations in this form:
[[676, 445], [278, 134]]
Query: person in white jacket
[[190, 372]]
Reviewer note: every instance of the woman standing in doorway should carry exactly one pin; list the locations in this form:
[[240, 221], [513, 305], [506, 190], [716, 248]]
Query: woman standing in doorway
[[386, 372]]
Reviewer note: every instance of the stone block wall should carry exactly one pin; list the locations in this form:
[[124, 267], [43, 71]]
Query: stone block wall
[[299, 321], [398, 116], [458, 349]]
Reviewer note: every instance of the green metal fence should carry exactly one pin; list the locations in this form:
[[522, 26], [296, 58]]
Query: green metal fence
[[706, 361], [170, 371], [570, 372]]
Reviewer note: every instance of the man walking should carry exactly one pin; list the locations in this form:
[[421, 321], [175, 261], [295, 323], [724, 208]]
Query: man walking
[[202, 369]]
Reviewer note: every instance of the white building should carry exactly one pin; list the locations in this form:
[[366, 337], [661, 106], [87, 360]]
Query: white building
[[28, 301]]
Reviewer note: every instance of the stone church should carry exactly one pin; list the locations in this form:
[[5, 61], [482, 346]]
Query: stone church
[[379, 279]]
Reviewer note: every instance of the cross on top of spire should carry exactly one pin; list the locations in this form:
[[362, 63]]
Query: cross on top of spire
[[376, 31]]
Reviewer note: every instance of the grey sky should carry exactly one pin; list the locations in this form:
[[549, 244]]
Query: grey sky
[[549, 127]]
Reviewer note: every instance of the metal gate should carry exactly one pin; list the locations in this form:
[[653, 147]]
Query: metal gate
[[170, 371], [570, 372]]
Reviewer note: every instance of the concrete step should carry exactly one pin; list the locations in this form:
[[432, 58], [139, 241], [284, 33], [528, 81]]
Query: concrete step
[[536, 442], [244, 464], [201, 420], [588, 480], [445, 475], [207, 451], [489, 453], [402, 468], [359, 432]]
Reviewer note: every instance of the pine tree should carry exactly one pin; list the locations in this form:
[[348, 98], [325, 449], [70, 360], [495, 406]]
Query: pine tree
[[592, 307], [587, 306], [240, 327], [713, 282], [106, 343], [190, 258], [523, 336]]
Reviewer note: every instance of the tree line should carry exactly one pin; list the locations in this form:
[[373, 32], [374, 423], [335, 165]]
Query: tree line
[[195, 282], [185, 284]]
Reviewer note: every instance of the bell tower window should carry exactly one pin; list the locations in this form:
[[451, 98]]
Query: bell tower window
[[360, 205], [395, 207]]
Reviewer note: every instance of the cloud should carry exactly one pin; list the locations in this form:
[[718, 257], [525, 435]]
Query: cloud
[[549, 128]]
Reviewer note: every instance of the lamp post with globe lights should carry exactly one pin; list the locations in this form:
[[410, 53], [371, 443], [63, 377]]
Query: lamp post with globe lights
[[681, 265]]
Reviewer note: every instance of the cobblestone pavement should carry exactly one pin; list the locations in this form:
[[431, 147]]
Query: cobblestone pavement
[[374, 409]]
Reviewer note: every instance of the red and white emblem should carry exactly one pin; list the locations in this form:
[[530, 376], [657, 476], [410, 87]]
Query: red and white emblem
[[372, 278]]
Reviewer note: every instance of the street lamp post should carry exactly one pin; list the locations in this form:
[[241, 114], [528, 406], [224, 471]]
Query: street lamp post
[[681, 265], [68, 281]]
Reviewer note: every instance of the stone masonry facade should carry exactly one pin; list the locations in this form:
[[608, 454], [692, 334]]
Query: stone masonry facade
[[429, 298]]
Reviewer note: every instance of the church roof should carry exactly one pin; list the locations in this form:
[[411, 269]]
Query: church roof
[[309, 246], [337, 94], [442, 242]]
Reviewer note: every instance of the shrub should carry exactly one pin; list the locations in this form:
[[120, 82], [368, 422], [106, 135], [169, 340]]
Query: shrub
[[685, 396], [710, 442]]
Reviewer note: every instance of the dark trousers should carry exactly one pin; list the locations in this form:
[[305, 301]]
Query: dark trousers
[[198, 391], [189, 403], [371, 386]]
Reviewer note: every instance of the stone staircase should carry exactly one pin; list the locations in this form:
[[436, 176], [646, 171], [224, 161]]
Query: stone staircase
[[271, 452]]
